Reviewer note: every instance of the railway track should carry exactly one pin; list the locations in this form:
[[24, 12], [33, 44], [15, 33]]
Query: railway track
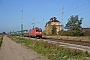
[[81, 45]]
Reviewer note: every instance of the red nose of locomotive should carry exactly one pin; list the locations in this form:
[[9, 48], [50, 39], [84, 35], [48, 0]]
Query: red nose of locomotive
[[39, 32]]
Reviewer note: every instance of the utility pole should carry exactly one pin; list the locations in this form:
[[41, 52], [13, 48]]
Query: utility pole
[[62, 17], [13, 26], [22, 23], [33, 23], [62, 20]]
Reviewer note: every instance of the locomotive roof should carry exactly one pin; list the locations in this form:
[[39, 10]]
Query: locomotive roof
[[35, 28]]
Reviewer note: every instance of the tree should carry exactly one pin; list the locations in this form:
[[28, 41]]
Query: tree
[[54, 29], [48, 30], [74, 26], [4, 33]]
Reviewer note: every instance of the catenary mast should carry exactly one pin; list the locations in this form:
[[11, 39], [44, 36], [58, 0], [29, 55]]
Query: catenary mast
[[22, 23]]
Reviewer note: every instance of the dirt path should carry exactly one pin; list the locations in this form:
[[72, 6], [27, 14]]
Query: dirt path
[[11, 50]]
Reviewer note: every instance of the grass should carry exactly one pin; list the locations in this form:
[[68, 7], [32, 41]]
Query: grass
[[0, 41], [1, 38], [52, 51], [82, 38]]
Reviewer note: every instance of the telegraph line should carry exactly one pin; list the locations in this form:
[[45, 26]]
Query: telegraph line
[[70, 9], [73, 3], [84, 13], [66, 7], [82, 9], [74, 9], [77, 7]]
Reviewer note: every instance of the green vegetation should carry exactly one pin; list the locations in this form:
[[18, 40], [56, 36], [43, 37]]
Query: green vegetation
[[87, 33], [1, 38], [63, 33], [52, 51], [74, 26], [54, 32], [81, 38], [47, 31], [50, 30]]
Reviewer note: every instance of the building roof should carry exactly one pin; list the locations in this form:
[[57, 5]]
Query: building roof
[[53, 19], [85, 28]]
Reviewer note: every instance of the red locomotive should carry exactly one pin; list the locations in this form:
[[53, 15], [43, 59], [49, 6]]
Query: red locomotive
[[35, 32]]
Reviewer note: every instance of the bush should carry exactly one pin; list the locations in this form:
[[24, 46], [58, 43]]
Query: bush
[[1, 39], [63, 33], [86, 33]]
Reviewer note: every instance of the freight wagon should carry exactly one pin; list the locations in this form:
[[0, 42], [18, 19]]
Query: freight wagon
[[25, 33]]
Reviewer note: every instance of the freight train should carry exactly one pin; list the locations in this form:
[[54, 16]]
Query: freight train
[[35, 32]]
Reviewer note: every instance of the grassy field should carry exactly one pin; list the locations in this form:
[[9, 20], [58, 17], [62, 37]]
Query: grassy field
[[0, 41], [1, 38], [82, 38], [53, 51]]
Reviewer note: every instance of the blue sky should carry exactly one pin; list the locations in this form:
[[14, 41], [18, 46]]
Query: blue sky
[[40, 11]]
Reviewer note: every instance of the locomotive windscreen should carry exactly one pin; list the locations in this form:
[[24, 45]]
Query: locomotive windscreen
[[38, 30]]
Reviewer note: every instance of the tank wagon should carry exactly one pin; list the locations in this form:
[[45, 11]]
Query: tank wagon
[[25, 33], [18, 33]]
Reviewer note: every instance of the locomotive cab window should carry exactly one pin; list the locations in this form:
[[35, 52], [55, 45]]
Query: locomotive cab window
[[38, 30]]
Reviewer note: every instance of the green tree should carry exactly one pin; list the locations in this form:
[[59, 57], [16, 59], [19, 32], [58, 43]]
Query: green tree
[[4, 33], [54, 30], [48, 30], [74, 26]]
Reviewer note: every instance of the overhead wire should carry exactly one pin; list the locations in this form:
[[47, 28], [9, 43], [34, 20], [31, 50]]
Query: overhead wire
[[68, 6], [59, 10], [73, 4], [77, 7], [73, 8]]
